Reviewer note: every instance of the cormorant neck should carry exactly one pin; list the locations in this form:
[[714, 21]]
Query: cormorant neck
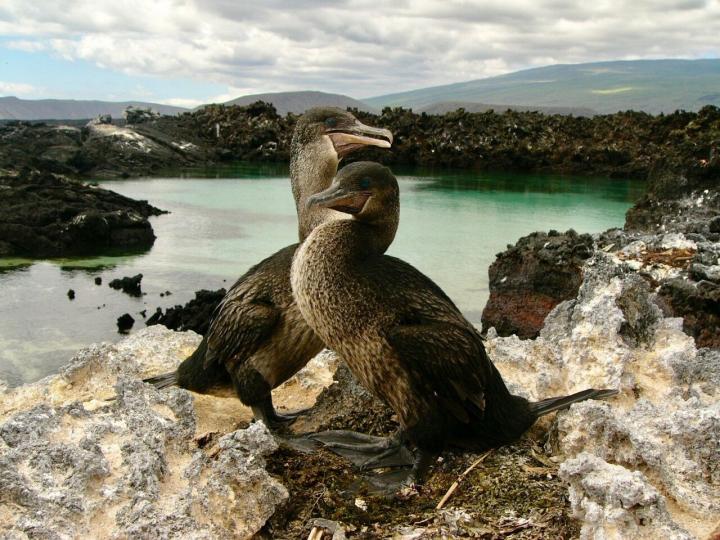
[[371, 239], [312, 168]]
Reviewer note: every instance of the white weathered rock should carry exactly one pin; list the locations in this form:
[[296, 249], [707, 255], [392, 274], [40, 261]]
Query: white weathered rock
[[614, 502], [676, 241], [74, 465], [665, 422], [318, 373]]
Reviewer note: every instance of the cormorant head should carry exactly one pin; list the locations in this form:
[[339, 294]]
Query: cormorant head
[[340, 128], [365, 189]]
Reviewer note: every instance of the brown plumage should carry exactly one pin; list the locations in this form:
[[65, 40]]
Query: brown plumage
[[257, 338], [399, 333]]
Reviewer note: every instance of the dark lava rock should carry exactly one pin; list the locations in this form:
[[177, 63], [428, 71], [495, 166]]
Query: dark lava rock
[[530, 278], [125, 323], [625, 144], [40, 146], [699, 306], [640, 312], [128, 285], [679, 199], [700, 272], [46, 215], [98, 280], [195, 315], [139, 115], [99, 149], [714, 225], [71, 294]]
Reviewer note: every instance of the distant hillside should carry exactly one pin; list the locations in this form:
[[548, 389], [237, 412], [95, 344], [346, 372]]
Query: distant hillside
[[449, 106], [653, 86], [299, 102], [12, 108]]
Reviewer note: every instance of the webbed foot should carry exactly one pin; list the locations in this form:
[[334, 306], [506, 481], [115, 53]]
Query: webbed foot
[[366, 451]]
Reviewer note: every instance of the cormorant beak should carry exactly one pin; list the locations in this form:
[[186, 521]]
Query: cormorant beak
[[341, 199], [348, 139]]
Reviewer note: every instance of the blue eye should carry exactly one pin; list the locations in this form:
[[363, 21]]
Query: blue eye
[[331, 122], [365, 183]]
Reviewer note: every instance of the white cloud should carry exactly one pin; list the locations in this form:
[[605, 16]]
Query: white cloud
[[16, 89], [188, 103], [27, 45], [357, 47]]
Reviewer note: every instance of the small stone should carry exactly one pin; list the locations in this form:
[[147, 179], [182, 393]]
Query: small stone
[[701, 272], [124, 323], [714, 225], [128, 285], [98, 280], [71, 294]]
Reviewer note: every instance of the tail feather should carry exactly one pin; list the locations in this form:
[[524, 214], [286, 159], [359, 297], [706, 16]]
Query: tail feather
[[165, 380], [545, 406], [193, 374]]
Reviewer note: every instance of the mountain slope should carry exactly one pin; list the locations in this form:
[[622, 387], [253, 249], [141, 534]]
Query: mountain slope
[[299, 102], [12, 108], [653, 86]]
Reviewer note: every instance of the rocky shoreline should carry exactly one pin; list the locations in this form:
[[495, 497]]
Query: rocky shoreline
[[47, 215], [623, 145], [626, 144]]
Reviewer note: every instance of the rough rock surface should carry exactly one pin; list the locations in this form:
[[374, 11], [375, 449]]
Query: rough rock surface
[[626, 501], [111, 151], [626, 144], [195, 315], [679, 268], [45, 215], [146, 464], [641, 465], [680, 199], [669, 239], [99, 149], [665, 424], [532, 277]]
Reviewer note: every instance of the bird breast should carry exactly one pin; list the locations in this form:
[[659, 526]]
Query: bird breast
[[349, 318]]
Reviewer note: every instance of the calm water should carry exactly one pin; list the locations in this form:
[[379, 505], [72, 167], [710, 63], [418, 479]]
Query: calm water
[[224, 220]]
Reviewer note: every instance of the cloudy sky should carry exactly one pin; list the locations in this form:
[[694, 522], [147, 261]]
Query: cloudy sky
[[188, 52]]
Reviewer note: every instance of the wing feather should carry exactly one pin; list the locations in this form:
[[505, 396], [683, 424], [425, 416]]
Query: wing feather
[[251, 310], [436, 344]]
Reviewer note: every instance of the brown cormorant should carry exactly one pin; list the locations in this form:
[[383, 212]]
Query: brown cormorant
[[257, 338], [401, 336]]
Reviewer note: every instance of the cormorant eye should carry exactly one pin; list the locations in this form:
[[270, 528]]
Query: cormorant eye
[[331, 122], [364, 183]]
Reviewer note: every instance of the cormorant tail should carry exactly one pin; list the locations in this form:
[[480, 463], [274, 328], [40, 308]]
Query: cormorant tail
[[545, 406], [192, 374], [163, 381]]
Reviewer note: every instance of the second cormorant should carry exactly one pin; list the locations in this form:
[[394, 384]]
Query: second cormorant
[[257, 338]]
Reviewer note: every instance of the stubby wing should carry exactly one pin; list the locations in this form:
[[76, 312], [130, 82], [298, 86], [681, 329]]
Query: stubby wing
[[251, 310], [435, 342], [446, 361]]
